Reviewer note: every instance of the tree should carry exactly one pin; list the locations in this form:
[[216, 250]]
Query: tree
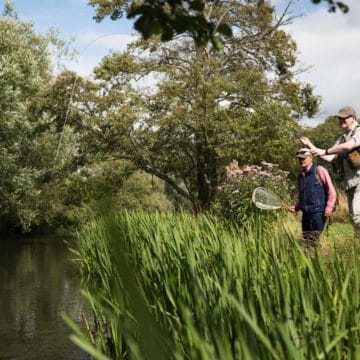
[[206, 107], [75, 180], [24, 74], [49, 171], [169, 18]]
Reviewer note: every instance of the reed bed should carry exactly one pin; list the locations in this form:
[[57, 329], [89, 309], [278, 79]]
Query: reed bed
[[165, 286]]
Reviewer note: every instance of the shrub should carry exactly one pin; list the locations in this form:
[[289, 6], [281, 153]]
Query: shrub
[[233, 200]]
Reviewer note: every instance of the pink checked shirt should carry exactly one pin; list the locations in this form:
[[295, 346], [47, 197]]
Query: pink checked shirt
[[329, 188]]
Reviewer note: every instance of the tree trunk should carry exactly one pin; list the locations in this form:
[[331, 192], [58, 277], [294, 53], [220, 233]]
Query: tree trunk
[[206, 179]]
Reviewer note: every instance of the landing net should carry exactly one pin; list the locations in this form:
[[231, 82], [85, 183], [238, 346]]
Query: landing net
[[265, 199]]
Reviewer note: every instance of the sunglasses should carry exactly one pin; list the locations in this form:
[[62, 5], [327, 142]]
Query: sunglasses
[[342, 120]]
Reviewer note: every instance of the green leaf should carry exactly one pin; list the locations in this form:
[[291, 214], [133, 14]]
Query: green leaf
[[217, 42]]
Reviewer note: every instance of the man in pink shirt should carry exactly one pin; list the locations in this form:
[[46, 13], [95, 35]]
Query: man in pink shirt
[[317, 197]]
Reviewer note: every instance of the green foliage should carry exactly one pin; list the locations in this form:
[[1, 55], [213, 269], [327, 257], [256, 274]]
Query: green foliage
[[141, 191], [268, 135], [170, 18], [175, 287], [71, 200], [233, 202], [205, 107], [51, 171], [24, 74], [60, 137]]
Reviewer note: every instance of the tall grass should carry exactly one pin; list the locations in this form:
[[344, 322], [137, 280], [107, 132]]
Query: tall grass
[[168, 286], [341, 215]]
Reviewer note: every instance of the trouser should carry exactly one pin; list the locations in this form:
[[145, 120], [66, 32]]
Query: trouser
[[353, 197], [312, 226]]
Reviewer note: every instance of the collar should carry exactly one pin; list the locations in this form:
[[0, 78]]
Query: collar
[[353, 126], [307, 169]]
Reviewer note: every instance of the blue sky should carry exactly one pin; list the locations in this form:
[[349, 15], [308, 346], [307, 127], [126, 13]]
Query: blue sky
[[74, 20], [328, 44], [69, 16]]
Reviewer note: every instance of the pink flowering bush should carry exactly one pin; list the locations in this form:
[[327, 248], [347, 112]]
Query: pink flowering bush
[[233, 200]]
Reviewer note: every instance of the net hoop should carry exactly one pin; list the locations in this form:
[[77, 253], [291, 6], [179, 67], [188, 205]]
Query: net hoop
[[265, 199]]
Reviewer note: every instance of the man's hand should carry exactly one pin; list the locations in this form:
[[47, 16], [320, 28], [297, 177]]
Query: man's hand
[[292, 209], [328, 213], [305, 141], [314, 150]]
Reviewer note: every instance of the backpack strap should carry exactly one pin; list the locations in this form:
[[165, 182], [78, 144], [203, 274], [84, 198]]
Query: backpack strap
[[317, 175]]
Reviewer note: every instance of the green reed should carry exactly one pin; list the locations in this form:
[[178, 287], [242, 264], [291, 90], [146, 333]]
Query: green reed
[[165, 286]]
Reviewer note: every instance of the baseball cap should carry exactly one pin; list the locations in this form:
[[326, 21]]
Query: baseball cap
[[346, 111], [303, 153]]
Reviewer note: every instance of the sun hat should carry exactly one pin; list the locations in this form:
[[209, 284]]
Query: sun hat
[[345, 112], [303, 153]]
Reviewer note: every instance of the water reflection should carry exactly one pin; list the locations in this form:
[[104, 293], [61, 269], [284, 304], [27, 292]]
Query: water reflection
[[38, 283]]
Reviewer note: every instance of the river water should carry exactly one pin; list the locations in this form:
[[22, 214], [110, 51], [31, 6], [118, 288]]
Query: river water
[[38, 284]]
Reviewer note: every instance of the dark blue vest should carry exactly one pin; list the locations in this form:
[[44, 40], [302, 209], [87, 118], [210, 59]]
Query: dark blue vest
[[312, 193]]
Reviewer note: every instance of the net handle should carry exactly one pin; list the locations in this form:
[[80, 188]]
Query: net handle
[[284, 206]]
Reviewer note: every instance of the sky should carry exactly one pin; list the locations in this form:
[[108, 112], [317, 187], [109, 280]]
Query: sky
[[73, 19], [328, 44]]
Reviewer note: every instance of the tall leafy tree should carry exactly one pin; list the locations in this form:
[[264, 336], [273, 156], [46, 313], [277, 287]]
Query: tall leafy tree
[[24, 74], [49, 174], [205, 107], [73, 175]]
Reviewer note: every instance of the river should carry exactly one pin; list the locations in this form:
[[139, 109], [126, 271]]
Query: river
[[38, 284]]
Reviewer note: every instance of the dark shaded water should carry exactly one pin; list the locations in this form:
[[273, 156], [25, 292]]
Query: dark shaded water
[[38, 284]]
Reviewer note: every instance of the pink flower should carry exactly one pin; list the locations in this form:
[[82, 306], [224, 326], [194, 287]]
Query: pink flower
[[267, 165]]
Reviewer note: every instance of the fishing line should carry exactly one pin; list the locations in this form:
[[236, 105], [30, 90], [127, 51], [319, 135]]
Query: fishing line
[[68, 109]]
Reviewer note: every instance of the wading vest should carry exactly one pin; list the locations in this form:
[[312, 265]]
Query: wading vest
[[312, 193]]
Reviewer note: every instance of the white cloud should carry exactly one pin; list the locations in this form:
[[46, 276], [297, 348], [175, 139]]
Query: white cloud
[[330, 44]]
